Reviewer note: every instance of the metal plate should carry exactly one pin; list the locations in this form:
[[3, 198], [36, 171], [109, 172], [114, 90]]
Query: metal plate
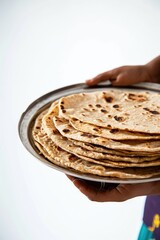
[[27, 120]]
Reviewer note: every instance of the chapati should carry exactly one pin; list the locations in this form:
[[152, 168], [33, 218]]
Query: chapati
[[115, 109]]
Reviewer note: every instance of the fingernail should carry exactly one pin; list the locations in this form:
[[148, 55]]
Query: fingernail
[[74, 180]]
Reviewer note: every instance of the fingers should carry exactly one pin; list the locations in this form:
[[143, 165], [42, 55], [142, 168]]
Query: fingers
[[117, 194], [121, 193], [125, 79], [79, 183], [122, 76], [99, 195], [117, 76], [109, 75]]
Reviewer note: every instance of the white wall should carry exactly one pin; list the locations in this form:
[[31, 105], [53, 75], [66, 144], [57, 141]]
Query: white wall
[[45, 45]]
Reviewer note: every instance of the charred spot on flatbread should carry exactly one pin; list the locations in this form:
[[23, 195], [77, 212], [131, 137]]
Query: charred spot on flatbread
[[66, 130], [98, 105], [108, 99], [114, 130], [151, 111], [104, 110], [116, 106], [119, 118], [137, 97]]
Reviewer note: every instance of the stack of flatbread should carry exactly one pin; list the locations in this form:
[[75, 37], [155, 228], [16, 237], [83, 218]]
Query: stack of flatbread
[[114, 133]]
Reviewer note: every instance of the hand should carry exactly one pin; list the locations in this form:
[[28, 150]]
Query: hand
[[122, 76], [127, 75], [120, 193]]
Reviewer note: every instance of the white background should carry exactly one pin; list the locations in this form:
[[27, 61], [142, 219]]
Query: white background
[[45, 45]]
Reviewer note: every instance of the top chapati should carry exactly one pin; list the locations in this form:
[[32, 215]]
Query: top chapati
[[115, 109]]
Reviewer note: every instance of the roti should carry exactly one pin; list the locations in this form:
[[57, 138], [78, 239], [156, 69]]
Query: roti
[[115, 134], [97, 148], [115, 109], [68, 131]]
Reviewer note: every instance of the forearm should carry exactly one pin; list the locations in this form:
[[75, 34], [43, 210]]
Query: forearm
[[153, 68]]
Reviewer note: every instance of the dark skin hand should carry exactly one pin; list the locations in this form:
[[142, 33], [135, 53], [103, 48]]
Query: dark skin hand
[[127, 75], [123, 76], [120, 193]]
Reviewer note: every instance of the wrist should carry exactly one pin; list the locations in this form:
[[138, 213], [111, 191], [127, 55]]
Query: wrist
[[148, 73], [153, 70]]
